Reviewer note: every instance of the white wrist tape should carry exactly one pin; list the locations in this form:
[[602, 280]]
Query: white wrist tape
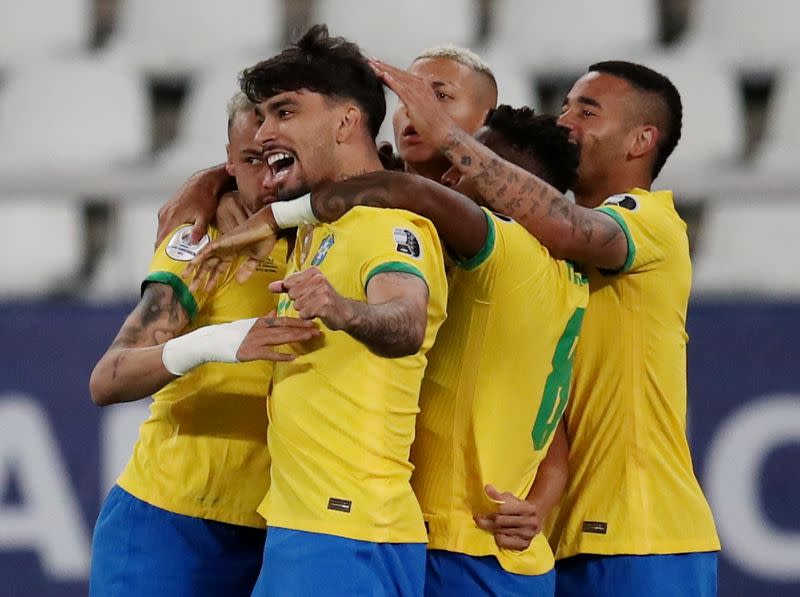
[[291, 214], [213, 343]]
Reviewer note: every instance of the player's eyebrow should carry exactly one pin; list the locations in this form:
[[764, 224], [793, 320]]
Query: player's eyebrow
[[439, 84], [588, 101], [251, 152]]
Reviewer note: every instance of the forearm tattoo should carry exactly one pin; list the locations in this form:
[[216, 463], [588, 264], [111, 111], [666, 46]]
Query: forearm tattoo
[[519, 194], [376, 189], [392, 329], [158, 317]]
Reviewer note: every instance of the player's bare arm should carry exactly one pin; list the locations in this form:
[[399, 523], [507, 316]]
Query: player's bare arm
[[567, 230], [516, 522], [131, 368], [196, 202], [142, 360], [460, 223], [391, 323]]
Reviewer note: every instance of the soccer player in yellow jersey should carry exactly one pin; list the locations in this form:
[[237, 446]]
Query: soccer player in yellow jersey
[[484, 420], [634, 521], [343, 517], [182, 518]]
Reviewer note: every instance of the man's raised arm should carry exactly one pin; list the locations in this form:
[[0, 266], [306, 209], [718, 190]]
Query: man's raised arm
[[568, 231]]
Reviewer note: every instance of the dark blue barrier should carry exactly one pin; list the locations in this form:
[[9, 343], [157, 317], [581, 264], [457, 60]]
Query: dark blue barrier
[[58, 453]]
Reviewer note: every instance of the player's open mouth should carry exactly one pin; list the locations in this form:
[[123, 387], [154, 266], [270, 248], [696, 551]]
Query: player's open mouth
[[280, 163]]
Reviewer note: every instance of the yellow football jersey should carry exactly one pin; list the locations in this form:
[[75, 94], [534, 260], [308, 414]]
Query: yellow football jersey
[[632, 489], [203, 450], [341, 418], [496, 385]]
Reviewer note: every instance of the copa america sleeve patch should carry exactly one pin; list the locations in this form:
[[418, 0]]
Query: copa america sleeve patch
[[181, 248], [407, 243], [629, 202]]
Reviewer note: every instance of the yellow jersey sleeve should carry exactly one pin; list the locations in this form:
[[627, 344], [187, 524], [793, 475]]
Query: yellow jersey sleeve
[[505, 238], [169, 261], [643, 223], [400, 242]]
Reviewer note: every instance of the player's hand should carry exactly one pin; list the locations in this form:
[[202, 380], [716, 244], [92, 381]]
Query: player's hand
[[253, 240], [269, 332], [230, 213], [313, 296], [196, 202], [515, 523], [424, 110]]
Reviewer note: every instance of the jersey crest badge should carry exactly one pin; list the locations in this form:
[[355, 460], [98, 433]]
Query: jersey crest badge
[[407, 243], [322, 252], [181, 248], [629, 202]]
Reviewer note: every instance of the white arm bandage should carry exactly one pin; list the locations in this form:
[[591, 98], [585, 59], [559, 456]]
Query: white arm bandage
[[213, 343], [291, 214]]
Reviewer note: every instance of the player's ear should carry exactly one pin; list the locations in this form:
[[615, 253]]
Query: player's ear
[[349, 122], [644, 141], [229, 168]]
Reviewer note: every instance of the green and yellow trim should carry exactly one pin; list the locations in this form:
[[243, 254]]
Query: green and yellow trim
[[631, 246], [394, 266], [178, 286], [481, 256]]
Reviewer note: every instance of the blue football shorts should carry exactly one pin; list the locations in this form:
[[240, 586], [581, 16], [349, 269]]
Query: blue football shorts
[[303, 564], [684, 574], [451, 574], [139, 549]]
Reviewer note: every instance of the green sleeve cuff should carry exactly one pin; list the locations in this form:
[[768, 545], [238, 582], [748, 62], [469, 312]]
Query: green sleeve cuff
[[394, 266], [178, 286], [631, 246], [481, 256]]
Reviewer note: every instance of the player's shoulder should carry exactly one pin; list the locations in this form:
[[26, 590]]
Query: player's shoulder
[[641, 201]]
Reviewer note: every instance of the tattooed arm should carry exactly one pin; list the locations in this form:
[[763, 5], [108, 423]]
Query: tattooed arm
[[132, 368], [458, 220], [391, 323], [567, 230]]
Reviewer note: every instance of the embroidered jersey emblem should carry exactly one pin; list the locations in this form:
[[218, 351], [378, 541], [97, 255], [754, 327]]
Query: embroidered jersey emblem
[[322, 252]]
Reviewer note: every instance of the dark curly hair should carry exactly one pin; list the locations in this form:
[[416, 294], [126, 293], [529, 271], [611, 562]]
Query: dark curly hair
[[540, 137], [647, 80], [317, 62]]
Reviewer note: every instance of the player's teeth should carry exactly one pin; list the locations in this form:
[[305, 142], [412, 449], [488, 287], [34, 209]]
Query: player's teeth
[[277, 156]]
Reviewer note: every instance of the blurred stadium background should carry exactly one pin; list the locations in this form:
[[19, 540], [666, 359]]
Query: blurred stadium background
[[106, 106]]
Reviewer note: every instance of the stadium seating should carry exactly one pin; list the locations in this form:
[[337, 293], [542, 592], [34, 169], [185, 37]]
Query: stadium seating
[[81, 115], [60, 27], [180, 36], [45, 236], [713, 134], [202, 131], [571, 34], [749, 35], [398, 31], [125, 261], [749, 246], [780, 146]]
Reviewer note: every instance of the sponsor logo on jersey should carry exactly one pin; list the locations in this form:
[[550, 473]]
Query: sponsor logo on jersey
[[595, 526], [407, 243]]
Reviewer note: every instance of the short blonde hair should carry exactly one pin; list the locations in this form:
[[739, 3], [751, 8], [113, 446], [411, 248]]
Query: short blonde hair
[[461, 55], [238, 103]]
